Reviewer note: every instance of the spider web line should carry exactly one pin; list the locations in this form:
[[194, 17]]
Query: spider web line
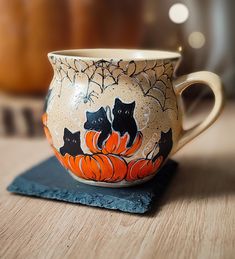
[[110, 72]]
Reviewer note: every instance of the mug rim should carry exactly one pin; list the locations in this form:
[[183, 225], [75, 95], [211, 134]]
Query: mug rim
[[116, 54]]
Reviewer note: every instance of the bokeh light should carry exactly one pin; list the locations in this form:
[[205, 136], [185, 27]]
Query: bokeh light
[[196, 40], [178, 13]]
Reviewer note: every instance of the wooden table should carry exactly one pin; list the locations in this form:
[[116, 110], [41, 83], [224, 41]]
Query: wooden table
[[196, 217]]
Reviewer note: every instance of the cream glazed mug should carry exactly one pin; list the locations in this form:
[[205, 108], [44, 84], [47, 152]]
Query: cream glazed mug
[[114, 116]]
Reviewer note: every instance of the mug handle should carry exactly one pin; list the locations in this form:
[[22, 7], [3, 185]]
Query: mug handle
[[213, 81]]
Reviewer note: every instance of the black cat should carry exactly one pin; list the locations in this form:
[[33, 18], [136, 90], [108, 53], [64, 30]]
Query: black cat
[[72, 143], [98, 121], [165, 145], [123, 119]]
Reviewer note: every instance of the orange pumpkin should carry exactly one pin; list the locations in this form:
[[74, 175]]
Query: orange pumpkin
[[141, 168], [115, 144], [63, 159], [44, 119], [46, 130], [98, 167]]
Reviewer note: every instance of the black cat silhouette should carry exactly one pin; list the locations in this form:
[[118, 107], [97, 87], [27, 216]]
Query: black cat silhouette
[[98, 121], [72, 143], [123, 119], [165, 145]]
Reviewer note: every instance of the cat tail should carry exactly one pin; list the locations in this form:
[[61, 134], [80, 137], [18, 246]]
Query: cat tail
[[109, 113]]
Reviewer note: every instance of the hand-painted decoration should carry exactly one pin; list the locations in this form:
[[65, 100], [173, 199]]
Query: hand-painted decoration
[[110, 144], [113, 116], [103, 74]]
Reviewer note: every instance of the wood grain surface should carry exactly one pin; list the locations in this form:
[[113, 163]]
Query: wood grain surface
[[195, 218]]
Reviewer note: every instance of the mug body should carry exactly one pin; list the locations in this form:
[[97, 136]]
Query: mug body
[[112, 116]]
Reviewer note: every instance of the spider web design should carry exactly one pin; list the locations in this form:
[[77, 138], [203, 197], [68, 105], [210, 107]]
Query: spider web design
[[153, 78]]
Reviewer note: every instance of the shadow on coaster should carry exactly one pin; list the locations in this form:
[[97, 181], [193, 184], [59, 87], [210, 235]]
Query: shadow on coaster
[[50, 180]]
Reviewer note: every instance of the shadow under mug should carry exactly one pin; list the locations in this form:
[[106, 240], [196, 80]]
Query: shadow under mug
[[114, 116]]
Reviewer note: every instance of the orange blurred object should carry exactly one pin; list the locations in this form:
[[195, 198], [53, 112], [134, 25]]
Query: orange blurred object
[[30, 29]]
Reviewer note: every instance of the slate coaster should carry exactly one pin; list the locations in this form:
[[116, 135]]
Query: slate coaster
[[50, 180]]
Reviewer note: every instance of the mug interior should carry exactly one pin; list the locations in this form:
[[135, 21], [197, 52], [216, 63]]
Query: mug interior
[[117, 54]]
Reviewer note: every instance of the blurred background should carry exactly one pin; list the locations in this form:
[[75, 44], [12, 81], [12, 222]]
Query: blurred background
[[201, 29]]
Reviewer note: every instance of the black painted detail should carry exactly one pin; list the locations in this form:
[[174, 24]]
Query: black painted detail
[[98, 121], [124, 121], [72, 143]]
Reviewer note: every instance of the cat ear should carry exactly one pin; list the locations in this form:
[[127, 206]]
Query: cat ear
[[169, 132], [118, 101], [66, 131], [132, 105], [77, 134], [102, 110], [88, 114]]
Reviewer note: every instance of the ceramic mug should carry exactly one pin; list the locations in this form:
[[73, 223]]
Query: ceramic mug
[[113, 116]]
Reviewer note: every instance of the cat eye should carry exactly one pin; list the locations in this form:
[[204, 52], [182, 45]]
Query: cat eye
[[100, 119], [127, 112], [67, 139], [93, 122], [119, 111], [74, 141]]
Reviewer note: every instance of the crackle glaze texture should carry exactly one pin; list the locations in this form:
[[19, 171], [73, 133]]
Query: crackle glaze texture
[[112, 122]]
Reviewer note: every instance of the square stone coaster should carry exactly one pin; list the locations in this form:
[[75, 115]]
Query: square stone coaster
[[51, 181]]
